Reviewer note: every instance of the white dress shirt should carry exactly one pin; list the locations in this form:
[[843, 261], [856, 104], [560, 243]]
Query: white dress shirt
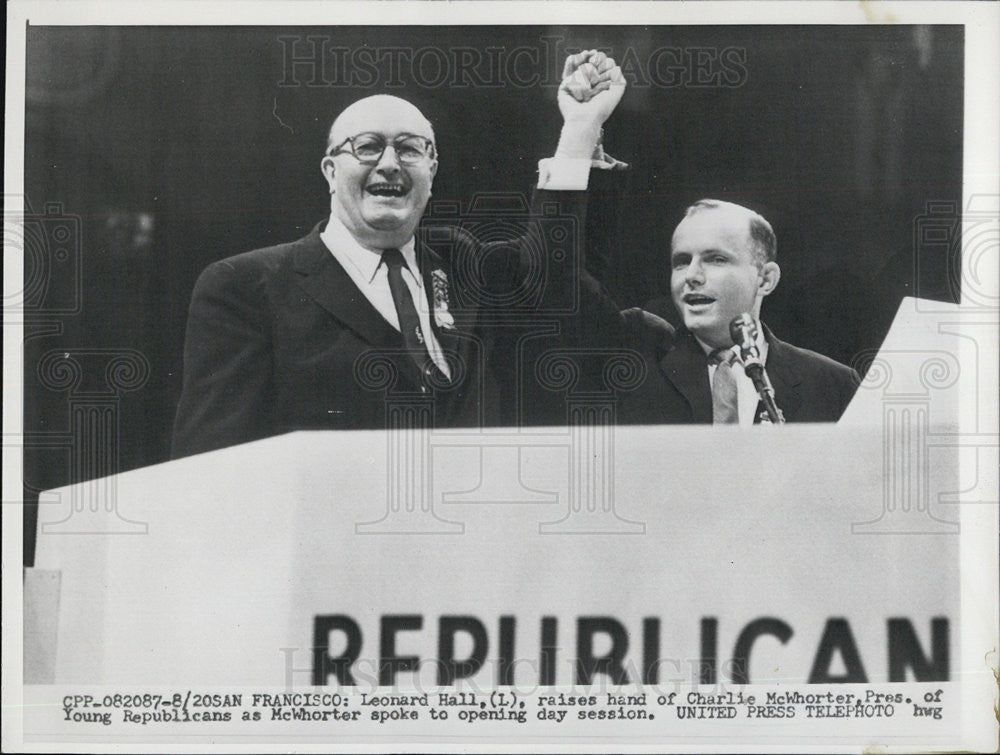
[[372, 279], [747, 397]]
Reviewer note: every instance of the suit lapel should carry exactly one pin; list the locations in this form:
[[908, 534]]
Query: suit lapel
[[687, 368], [325, 280], [785, 379]]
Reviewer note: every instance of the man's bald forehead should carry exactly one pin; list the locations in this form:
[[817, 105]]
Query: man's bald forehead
[[380, 113], [737, 219], [729, 210], [726, 216]]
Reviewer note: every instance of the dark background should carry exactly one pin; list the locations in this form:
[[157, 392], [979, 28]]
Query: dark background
[[164, 149]]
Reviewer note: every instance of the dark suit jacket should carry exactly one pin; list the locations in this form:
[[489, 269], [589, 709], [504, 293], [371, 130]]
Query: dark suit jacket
[[280, 339], [808, 387]]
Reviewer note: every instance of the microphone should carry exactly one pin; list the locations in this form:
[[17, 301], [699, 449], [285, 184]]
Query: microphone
[[743, 331]]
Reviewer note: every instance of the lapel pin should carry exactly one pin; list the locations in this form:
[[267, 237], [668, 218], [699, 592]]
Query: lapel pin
[[442, 317]]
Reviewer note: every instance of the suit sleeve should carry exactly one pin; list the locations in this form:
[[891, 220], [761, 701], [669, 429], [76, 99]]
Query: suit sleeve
[[227, 385], [545, 274], [592, 318], [849, 380]]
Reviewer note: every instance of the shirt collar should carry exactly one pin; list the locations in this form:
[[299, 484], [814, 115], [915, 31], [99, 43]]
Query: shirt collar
[[761, 346], [366, 261]]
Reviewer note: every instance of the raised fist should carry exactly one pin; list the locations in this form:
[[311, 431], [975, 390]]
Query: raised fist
[[592, 86]]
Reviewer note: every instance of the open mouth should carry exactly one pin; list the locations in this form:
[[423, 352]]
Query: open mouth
[[386, 190], [697, 300]]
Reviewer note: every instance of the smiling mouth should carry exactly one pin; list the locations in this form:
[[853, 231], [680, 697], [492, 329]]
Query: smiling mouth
[[386, 190], [697, 300]]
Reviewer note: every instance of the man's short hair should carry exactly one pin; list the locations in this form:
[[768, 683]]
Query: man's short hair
[[763, 244]]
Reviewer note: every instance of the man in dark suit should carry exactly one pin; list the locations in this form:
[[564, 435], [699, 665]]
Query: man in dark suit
[[328, 331], [723, 262]]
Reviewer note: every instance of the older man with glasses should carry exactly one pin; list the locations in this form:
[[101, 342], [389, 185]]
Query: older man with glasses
[[294, 336]]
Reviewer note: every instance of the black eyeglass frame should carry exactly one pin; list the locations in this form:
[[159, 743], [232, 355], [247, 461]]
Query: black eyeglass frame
[[429, 150]]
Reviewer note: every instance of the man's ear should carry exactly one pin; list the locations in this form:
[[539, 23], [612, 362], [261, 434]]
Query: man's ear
[[770, 274], [326, 165], [434, 168]]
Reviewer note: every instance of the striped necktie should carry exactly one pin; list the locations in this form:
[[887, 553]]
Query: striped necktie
[[409, 321], [725, 402]]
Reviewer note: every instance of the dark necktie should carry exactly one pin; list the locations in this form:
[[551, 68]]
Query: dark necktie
[[409, 321], [725, 402]]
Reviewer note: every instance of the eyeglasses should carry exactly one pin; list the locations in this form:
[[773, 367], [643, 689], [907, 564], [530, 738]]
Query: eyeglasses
[[369, 148]]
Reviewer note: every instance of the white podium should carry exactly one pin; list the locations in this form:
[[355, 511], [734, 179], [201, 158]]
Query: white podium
[[802, 552]]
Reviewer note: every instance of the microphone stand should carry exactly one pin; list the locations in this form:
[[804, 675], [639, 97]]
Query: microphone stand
[[755, 371], [743, 330]]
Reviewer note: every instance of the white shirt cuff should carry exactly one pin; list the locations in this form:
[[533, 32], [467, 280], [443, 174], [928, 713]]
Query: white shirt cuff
[[563, 173]]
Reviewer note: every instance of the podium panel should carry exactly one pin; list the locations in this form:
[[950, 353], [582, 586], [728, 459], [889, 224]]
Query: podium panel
[[702, 553]]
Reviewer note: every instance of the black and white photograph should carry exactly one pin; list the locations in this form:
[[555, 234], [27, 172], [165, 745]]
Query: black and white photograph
[[365, 364]]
